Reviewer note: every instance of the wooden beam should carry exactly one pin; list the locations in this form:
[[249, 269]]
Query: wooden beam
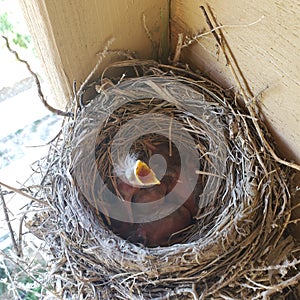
[[69, 34], [264, 36]]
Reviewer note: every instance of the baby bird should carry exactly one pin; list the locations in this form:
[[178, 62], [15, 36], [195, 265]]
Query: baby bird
[[138, 183], [135, 172], [132, 175], [160, 232]]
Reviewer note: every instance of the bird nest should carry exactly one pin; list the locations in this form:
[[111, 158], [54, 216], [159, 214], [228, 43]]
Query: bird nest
[[235, 247]]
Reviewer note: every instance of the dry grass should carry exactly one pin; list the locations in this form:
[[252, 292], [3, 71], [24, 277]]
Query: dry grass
[[238, 248]]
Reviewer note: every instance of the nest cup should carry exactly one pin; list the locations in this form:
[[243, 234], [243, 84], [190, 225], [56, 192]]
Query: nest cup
[[237, 247]]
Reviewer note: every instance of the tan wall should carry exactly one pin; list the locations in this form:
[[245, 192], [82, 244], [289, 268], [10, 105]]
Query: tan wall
[[268, 53], [69, 34]]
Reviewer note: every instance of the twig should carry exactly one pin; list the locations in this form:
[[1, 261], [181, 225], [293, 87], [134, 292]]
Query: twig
[[147, 30], [14, 289], [225, 45], [42, 183], [195, 38], [102, 55], [28, 274], [48, 143], [222, 42], [210, 25], [37, 81], [210, 174], [178, 48], [221, 45], [76, 100], [11, 232], [19, 191]]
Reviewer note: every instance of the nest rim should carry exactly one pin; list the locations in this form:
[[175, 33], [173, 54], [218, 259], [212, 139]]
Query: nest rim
[[189, 269]]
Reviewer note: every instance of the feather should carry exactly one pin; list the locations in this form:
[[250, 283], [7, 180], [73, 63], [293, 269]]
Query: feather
[[135, 172], [125, 166]]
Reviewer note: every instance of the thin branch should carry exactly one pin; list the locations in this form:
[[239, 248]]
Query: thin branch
[[11, 232], [210, 25], [102, 55], [178, 48], [37, 81], [210, 174], [12, 282], [221, 45], [222, 42], [28, 274], [195, 38], [147, 30], [19, 191], [48, 143], [232, 56]]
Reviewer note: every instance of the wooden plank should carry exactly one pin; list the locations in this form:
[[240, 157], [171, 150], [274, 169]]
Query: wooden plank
[[264, 36], [69, 34]]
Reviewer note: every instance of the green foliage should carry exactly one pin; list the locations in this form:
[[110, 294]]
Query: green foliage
[[35, 125], [27, 289], [34, 291], [21, 40], [2, 284], [5, 25], [7, 28]]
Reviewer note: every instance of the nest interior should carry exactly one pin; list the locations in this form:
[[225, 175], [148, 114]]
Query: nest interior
[[237, 246]]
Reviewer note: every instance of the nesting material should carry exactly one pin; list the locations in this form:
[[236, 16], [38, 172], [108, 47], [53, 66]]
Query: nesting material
[[237, 247]]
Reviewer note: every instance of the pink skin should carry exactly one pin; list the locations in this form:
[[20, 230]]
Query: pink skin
[[127, 192], [173, 175], [151, 194], [158, 233]]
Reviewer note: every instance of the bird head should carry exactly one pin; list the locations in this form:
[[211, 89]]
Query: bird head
[[135, 172]]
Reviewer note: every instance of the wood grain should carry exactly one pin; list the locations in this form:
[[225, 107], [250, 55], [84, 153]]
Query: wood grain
[[69, 34], [264, 36]]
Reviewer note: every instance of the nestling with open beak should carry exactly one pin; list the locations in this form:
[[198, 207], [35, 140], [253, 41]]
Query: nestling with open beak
[[136, 173], [132, 175], [138, 183]]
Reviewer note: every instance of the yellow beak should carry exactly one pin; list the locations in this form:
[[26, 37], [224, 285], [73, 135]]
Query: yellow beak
[[144, 175]]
